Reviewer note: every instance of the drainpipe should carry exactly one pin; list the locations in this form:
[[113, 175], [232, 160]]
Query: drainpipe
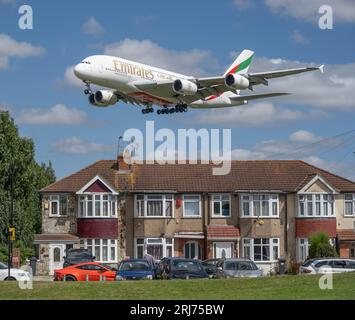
[[286, 222], [205, 222]]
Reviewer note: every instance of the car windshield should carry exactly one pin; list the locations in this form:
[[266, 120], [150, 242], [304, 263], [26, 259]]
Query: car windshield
[[3, 266], [79, 255], [134, 266], [308, 262], [188, 266], [240, 265]]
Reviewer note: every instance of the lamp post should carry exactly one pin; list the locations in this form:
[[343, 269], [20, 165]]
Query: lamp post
[[11, 230]]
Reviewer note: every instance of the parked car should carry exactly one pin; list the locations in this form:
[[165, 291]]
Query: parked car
[[180, 268], [210, 267], [135, 269], [15, 274], [327, 265], [88, 271], [236, 268], [76, 256]]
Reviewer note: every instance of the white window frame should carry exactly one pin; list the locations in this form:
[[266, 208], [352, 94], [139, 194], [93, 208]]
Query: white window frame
[[197, 247], [146, 243], [272, 198], [188, 200], [165, 198], [52, 199], [214, 198], [351, 201], [110, 245], [112, 205], [250, 245], [316, 197], [302, 249]]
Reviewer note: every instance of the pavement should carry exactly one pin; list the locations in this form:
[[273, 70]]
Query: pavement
[[43, 278]]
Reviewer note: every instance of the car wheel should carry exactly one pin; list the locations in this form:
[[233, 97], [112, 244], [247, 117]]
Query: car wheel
[[10, 279], [70, 278]]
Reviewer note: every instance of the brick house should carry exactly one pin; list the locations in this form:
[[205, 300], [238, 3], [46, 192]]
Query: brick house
[[262, 209]]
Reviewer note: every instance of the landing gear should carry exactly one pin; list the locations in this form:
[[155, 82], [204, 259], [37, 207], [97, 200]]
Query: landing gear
[[88, 89], [178, 108], [147, 110]]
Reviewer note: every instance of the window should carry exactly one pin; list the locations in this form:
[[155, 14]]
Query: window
[[316, 205], [58, 205], [104, 250], [97, 206], [261, 249], [192, 250], [156, 247], [221, 205], [192, 206], [259, 205], [154, 205], [303, 249], [349, 204]]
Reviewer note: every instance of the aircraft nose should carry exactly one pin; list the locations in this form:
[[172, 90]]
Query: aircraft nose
[[79, 70]]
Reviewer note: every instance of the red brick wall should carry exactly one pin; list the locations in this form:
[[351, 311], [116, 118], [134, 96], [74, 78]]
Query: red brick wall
[[306, 227], [98, 228]]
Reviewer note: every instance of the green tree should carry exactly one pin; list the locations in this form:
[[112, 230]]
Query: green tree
[[19, 167], [320, 246]]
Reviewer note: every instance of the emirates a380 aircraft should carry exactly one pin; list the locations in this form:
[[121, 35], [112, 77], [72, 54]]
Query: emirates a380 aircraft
[[144, 85]]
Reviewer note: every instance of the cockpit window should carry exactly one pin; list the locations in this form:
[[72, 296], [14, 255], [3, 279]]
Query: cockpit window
[[86, 62]]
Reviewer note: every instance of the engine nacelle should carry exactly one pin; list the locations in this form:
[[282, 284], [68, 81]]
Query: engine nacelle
[[103, 98], [184, 87], [236, 81]]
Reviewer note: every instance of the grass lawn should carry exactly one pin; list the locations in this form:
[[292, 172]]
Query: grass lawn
[[277, 287]]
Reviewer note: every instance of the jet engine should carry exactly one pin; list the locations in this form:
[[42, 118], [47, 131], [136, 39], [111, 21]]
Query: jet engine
[[103, 98], [236, 81], [184, 87]]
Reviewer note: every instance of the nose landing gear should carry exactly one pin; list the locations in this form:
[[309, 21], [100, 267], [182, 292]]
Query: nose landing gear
[[88, 88]]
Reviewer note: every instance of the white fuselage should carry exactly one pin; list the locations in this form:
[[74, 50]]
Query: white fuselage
[[122, 75]]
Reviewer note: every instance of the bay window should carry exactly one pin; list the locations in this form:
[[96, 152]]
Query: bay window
[[97, 206], [302, 249], [316, 205], [261, 249], [349, 204], [156, 247], [154, 205], [58, 205], [192, 206], [104, 250], [259, 205], [220, 205]]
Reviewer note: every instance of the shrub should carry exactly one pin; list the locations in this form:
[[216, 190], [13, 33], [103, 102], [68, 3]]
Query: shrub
[[320, 246]]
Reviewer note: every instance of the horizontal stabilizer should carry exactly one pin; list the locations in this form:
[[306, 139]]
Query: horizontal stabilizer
[[257, 96]]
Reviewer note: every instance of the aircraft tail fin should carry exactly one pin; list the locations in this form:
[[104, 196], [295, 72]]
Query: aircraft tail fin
[[242, 63]]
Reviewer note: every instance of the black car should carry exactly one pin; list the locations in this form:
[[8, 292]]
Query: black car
[[211, 267], [76, 256], [180, 268]]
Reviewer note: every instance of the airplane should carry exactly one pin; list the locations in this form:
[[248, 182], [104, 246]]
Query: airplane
[[143, 85]]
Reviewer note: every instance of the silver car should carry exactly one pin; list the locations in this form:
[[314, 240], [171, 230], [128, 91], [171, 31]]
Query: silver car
[[327, 265], [238, 267]]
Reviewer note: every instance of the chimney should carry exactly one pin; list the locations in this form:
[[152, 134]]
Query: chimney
[[124, 162]]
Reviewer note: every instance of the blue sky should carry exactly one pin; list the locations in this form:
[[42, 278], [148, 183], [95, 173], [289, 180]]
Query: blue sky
[[48, 105]]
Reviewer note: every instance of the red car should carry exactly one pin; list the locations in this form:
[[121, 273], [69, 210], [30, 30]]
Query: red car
[[88, 271]]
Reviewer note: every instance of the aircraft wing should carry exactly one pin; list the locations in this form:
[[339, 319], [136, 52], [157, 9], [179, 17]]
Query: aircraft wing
[[257, 96]]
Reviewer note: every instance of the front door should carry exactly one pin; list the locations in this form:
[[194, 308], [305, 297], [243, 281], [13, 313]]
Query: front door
[[223, 250], [56, 254]]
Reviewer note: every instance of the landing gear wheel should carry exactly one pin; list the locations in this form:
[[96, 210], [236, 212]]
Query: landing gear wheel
[[88, 89], [159, 111]]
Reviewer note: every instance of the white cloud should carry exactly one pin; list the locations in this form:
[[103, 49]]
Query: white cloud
[[257, 114], [57, 115], [9, 47], [93, 27], [344, 10], [298, 38], [70, 78], [75, 145], [192, 62], [303, 136]]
